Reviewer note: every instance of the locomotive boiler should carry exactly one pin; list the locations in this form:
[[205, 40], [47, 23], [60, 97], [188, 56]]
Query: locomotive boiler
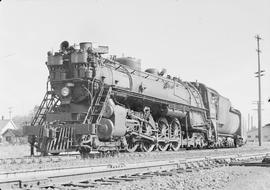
[[110, 104]]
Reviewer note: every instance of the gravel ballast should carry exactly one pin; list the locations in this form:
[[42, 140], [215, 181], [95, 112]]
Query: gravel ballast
[[224, 178]]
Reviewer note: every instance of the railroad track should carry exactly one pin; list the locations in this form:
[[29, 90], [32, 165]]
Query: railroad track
[[76, 156], [108, 174]]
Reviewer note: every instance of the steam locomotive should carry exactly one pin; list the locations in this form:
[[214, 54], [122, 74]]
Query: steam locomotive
[[94, 103]]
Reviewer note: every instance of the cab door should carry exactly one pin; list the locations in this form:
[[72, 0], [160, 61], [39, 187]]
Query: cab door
[[213, 105]]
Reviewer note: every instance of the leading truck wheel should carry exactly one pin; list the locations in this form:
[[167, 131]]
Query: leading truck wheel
[[131, 145]]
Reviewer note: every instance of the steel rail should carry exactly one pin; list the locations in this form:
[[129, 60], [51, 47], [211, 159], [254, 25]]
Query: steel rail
[[74, 157]]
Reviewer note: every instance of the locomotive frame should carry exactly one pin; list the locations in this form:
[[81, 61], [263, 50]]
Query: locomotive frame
[[93, 103]]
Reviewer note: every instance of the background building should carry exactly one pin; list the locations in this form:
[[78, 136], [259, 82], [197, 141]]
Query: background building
[[6, 124], [13, 136], [252, 135]]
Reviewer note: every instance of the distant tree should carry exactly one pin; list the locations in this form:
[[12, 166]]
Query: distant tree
[[21, 120]]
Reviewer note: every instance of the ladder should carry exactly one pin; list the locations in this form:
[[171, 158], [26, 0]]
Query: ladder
[[96, 110], [48, 103], [195, 93]]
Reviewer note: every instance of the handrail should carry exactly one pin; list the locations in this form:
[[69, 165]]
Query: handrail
[[156, 77]]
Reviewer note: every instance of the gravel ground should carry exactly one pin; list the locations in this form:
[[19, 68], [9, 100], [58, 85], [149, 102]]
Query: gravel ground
[[14, 151], [224, 178]]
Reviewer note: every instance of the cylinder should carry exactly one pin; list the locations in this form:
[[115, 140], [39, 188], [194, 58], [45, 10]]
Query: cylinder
[[114, 127], [105, 129]]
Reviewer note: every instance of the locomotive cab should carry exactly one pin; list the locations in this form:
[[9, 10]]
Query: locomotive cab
[[225, 119]]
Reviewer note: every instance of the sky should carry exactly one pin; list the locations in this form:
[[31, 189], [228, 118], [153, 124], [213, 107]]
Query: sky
[[209, 41]]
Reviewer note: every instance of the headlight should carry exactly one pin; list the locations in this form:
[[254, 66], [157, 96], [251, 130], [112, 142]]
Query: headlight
[[65, 91]]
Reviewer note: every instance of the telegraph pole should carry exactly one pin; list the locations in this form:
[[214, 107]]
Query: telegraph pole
[[251, 122], [248, 128], [259, 73]]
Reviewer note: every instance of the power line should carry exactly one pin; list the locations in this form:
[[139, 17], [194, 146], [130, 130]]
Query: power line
[[9, 55]]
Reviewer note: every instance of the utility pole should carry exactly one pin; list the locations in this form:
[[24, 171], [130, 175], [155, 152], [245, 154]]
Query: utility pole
[[259, 73], [248, 128], [251, 122]]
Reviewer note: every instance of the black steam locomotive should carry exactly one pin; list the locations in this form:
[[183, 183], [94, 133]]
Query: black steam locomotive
[[105, 104]]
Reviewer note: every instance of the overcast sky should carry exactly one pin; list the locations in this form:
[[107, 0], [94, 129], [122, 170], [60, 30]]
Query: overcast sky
[[206, 40]]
